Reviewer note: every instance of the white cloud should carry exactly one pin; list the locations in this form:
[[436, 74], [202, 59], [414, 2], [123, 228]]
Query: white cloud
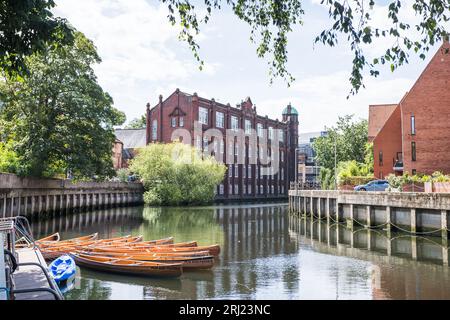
[[321, 99], [138, 46]]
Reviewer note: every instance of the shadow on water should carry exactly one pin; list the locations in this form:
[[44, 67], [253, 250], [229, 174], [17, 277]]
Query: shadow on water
[[266, 254]]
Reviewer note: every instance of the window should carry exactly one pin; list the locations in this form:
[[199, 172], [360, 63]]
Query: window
[[257, 172], [244, 171], [282, 173], [249, 171], [203, 115], [244, 189], [413, 151], [236, 171], [221, 188], [220, 120], [259, 129], [236, 149], [413, 125], [236, 189], [270, 133], [249, 189], [248, 127], [174, 122], [155, 129], [273, 189], [181, 121], [250, 155], [261, 189], [281, 135], [380, 158], [414, 172], [221, 147], [230, 171], [234, 123], [282, 156]]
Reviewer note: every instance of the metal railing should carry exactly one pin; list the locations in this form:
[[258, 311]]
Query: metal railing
[[307, 185]]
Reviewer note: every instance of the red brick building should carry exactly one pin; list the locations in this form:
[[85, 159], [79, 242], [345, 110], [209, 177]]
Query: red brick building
[[413, 136], [244, 179]]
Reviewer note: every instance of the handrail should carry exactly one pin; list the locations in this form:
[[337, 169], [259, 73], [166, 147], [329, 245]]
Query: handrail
[[49, 280]]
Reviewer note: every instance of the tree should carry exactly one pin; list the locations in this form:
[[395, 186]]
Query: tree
[[175, 174], [27, 27], [137, 123], [350, 138], [58, 118], [272, 20]]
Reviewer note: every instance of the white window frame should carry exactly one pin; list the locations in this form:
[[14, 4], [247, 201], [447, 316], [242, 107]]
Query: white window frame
[[271, 133], [173, 122], [181, 121], [248, 126], [203, 115], [220, 120], [234, 123], [259, 129]]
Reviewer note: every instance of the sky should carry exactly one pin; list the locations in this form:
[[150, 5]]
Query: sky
[[143, 58]]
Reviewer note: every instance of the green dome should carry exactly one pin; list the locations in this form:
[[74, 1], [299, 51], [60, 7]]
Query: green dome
[[293, 110]]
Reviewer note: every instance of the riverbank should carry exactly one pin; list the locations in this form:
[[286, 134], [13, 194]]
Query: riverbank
[[33, 197]]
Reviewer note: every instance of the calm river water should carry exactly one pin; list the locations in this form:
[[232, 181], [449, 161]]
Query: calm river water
[[266, 254]]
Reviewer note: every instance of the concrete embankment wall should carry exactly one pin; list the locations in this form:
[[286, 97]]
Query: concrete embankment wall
[[32, 196], [417, 213]]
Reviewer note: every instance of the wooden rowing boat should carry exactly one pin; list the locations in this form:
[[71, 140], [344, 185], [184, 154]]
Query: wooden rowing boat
[[142, 245], [52, 237], [213, 250], [84, 243], [108, 251], [159, 242], [128, 266], [193, 262], [90, 237]]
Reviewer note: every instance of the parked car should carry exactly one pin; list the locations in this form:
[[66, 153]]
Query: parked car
[[375, 185]]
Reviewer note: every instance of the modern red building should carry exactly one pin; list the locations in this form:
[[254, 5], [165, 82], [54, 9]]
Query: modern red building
[[413, 135], [245, 178]]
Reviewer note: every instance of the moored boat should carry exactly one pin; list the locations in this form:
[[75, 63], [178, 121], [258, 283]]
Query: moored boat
[[52, 237], [192, 262], [128, 266], [62, 268]]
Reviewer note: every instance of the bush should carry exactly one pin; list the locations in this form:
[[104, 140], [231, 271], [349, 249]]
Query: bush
[[9, 161], [175, 174], [122, 175], [353, 173]]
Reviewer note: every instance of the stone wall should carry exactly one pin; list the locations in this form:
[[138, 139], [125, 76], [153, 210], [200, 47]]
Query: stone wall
[[30, 196]]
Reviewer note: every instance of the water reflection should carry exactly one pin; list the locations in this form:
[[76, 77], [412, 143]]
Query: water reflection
[[265, 255]]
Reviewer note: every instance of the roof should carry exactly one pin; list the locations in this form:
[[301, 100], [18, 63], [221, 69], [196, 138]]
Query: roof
[[131, 138], [378, 115], [293, 110]]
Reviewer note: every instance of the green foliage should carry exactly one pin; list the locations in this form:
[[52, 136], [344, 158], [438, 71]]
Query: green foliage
[[326, 177], [350, 138], [27, 27], [137, 123], [351, 21], [122, 174], [353, 173], [175, 174], [9, 161], [398, 182], [58, 117]]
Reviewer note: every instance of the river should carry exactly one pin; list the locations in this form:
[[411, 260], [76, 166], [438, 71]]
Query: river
[[266, 254]]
